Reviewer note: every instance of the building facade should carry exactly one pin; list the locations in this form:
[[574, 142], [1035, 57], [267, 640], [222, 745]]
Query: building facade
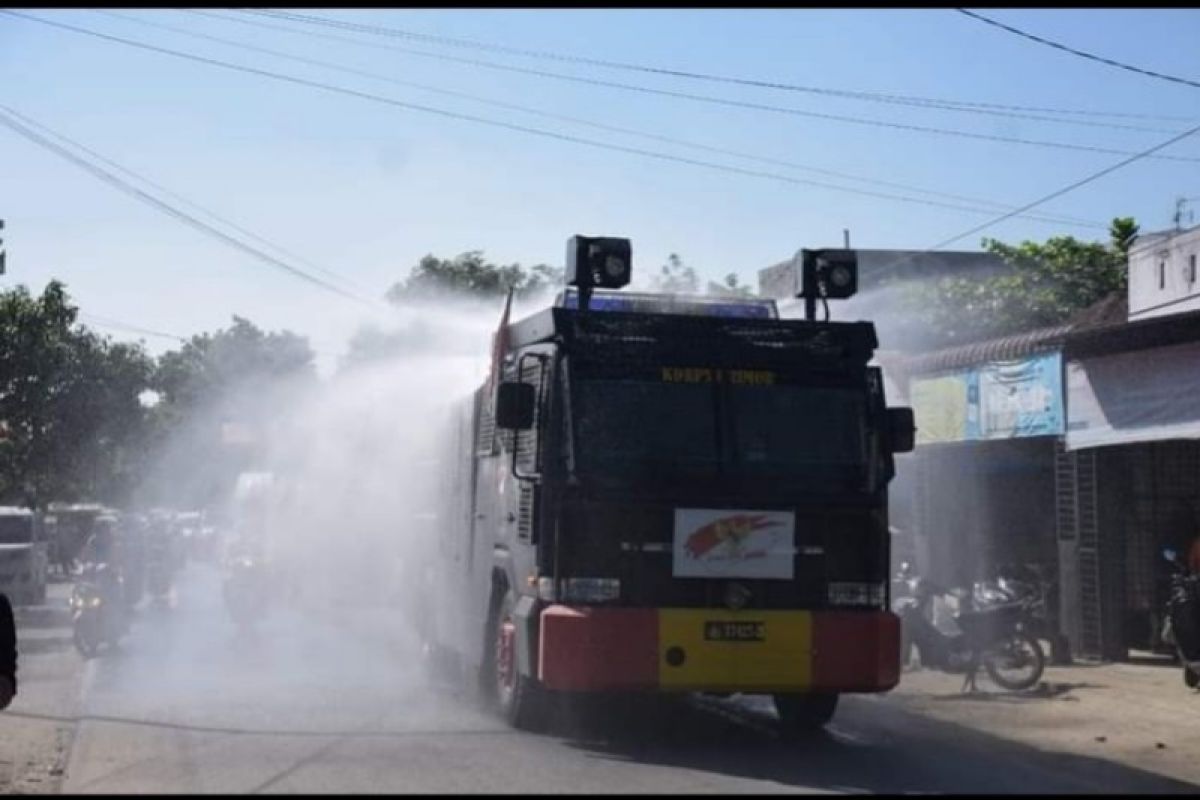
[[1164, 276]]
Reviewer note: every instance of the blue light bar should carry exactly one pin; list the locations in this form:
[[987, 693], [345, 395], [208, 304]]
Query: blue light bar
[[636, 302]]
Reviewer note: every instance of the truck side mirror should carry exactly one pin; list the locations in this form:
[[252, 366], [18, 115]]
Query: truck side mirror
[[902, 429], [514, 406]]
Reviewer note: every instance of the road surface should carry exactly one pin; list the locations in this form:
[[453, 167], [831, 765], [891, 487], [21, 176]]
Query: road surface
[[188, 705]]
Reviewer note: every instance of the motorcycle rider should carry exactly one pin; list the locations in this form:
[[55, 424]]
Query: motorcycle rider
[[101, 563]]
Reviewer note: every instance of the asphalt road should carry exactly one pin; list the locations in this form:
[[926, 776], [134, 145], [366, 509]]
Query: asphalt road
[[187, 705]]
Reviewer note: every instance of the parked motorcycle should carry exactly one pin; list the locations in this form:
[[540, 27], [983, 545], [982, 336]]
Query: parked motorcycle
[[993, 637], [1182, 625], [97, 611], [1031, 586]]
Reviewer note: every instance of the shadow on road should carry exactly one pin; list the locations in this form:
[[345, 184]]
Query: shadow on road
[[33, 646], [900, 753], [1046, 690], [47, 616]]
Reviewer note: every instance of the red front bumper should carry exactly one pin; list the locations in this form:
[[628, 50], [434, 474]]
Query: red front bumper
[[601, 649]]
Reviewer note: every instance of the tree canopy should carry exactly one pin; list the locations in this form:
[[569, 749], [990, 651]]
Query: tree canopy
[[69, 402], [1046, 283], [73, 422], [471, 275]]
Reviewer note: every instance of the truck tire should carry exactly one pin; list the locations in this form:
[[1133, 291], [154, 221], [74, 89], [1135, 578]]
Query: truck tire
[[801, 714], [519, 698]]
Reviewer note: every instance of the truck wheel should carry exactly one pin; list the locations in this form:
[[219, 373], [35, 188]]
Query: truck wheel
[[519, 698], [801, 714]]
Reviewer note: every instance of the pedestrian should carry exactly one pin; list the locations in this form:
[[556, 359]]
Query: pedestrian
[[8, 653]]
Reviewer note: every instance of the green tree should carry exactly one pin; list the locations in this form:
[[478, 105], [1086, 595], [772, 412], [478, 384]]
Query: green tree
[[471, 275], [69, 400], [221, 395], [1122, 233], [209, 366], [730, 287], [676, 277], [1047, 282]]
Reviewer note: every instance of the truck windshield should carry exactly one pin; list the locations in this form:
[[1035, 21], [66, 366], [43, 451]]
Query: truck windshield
[[16, 530], [639, 427], [778, 429], [635, 428]]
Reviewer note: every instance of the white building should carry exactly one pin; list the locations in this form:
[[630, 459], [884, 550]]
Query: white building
[[1164, 276]]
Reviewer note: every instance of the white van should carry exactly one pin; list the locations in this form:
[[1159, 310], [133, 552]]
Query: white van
[[24, 556]]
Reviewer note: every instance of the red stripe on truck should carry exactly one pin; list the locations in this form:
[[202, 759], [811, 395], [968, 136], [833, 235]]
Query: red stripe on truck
[[596, 649], [856, 651]]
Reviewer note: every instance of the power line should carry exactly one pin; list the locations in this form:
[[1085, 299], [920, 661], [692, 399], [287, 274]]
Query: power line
[[535, 131], [164, 190], [620, 129], [1080, 53], [117, 325], [770, 108], [105, 322], [466, 117], [884, 97], [1047, 198], [115, 181]]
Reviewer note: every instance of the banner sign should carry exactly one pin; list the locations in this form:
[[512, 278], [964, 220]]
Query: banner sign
[[998, 400], [940, 408], [1018, 398]]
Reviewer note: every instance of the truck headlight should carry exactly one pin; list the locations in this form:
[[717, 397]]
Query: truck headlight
[[579, 590], [856, 594]]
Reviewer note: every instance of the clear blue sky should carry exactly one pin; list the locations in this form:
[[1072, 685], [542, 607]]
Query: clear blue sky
[[366, 190]]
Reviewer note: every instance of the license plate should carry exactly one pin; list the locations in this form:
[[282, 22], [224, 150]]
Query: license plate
[[735, 631]]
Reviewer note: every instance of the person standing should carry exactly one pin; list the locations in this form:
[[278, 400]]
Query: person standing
[[8, 653]]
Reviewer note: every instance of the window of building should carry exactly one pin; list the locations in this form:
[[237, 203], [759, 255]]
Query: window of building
[[1192, 268], [1162, 273]]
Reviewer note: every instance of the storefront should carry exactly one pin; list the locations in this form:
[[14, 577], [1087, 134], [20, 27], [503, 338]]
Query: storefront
[[1129, 477], [988, 417]]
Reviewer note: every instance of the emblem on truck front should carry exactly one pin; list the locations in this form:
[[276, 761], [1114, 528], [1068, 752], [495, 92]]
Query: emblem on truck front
[[733, 543], [734, 530]]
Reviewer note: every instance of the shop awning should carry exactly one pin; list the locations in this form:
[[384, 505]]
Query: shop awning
[[1138, 396]]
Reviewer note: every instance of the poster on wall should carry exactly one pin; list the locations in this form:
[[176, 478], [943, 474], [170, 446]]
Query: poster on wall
[[1018, 398], [940, 408], [999, 400]]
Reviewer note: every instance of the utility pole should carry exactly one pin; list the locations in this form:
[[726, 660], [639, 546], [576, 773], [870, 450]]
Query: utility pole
[[2, 251], [846, 238]]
